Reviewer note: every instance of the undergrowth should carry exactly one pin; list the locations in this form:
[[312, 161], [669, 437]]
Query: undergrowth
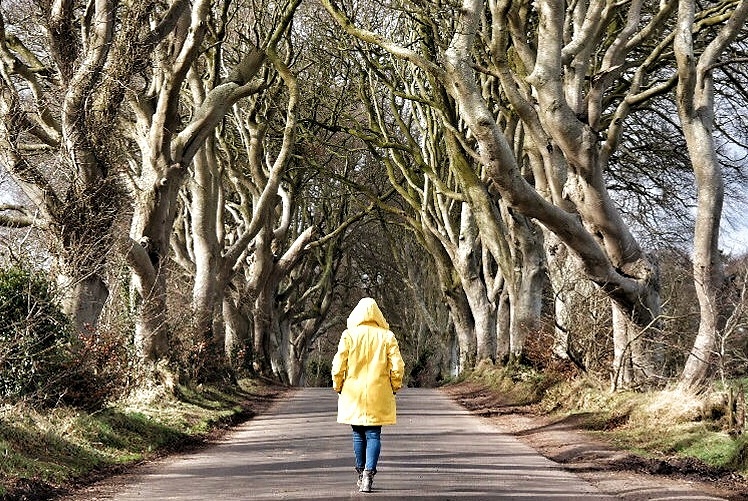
[[659, 424], [43, 452]]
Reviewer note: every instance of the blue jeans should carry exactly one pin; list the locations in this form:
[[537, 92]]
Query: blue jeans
[[366, 446]]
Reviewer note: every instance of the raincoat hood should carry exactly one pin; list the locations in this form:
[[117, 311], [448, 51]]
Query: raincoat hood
[[367, 311]]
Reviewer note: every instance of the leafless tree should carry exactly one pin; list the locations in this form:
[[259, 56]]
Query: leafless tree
[[66, 68], [573, 82], [169, 142], [695, 98]]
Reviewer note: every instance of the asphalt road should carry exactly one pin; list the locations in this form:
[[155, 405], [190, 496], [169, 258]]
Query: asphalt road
[[296, 451]]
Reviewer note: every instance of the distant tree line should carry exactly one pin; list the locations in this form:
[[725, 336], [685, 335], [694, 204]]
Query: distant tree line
[[212, 185]]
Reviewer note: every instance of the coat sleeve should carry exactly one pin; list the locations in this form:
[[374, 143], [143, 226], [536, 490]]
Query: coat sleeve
[[340, 362], [397, 366]]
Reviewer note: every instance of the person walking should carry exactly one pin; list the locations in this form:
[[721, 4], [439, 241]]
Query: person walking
[[367, 372]]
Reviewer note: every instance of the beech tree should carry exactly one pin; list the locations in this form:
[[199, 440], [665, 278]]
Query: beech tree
[[62, 92], [148, 68], [276, 291], [695, 99], [435, 176], [418, 168], [168, 145], [228, 193], [573, 108]]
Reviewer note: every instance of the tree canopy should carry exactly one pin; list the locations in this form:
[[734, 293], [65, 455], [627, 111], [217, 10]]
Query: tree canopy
[[515, 181]]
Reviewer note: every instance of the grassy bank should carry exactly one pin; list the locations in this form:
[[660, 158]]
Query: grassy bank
[[44, 453], [658, 424]]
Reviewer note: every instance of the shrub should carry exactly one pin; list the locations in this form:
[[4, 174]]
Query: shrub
[[34, 337], [43, 360], [98, 368]]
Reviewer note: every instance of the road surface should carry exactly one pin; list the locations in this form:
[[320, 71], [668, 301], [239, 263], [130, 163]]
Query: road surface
[[296, 451]]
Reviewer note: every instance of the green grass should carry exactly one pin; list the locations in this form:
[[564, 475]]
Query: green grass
[[48, 450], [701, 440]]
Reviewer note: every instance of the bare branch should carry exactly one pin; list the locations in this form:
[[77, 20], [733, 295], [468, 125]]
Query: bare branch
[[16, 216]]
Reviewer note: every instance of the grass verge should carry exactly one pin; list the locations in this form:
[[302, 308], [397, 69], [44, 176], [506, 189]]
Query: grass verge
[[658, 424], [43, 454]]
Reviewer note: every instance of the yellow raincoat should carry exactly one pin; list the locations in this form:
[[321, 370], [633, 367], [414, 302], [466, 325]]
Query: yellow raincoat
[[367, 369]]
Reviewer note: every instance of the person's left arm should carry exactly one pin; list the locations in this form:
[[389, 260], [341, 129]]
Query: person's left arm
[[397, 366]]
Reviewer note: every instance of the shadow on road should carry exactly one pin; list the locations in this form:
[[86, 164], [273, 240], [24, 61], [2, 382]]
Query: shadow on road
[[296, 451]]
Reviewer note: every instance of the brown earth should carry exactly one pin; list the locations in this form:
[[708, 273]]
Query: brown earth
[[613, 471]]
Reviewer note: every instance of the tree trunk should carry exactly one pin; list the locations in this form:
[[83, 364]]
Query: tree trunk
[[293, 351], [526, 294], [504, 326], [636, 344], [271, 345], [456, 300], [209, 284], [563, 284], [151, 338], [83, 300], [467, 264], [526, 311], [484, 321], [708, 273], [237, 332], [624, 334], [262, 325], [280, 353], [695, 99], [152, 223], [464, 329], [263, 292]]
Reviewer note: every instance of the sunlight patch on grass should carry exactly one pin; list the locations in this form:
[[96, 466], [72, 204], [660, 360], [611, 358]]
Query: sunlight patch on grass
[[33, 448], [667, 424], [716, 449], [668, 407]]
